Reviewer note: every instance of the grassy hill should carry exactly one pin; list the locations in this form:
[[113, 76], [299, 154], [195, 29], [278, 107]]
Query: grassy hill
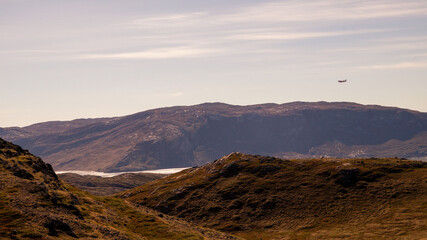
[[259, 197], [35, 204], [105, 186]]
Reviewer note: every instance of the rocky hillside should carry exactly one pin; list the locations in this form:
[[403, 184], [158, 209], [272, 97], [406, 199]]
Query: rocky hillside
[[269, 198], [194, 135], [35, 204]]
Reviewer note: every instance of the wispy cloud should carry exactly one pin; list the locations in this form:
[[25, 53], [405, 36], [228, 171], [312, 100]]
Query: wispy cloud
[[268, 21], [292, 11], [299, 35], [400, 39], [295, 11], [174, 94], [20, 51], [173, 20], [384, 45], [158, 53], [403, 65], [420, 54]]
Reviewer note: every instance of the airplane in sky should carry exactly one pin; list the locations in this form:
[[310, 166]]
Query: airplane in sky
[[342, 81]]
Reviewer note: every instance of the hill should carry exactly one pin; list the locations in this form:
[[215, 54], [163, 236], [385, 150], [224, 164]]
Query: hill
[[35, 204], [195, 135], [104, 186], [269, 198]]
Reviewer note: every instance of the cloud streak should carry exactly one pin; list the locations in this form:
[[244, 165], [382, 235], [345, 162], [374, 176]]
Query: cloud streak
[[292, 12], [403, 65], [170, 95], [176, 94], [299, 35], [174, 20], [157, 53], [306, 11]]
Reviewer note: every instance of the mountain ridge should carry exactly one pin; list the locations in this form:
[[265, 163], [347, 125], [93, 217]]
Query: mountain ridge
[[183, 136]]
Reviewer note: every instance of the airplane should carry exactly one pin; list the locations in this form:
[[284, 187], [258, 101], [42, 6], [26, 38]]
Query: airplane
[[342, 81]]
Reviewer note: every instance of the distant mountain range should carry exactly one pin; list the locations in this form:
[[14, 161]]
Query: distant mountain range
[[185, 136]]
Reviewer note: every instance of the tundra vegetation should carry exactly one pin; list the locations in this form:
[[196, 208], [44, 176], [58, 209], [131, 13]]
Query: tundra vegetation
[[270, 198], [36, 204]]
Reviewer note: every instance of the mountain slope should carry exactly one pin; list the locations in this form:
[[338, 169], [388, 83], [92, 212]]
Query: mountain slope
[[194, 135], [255, 196], [35, 204], [104, 186]]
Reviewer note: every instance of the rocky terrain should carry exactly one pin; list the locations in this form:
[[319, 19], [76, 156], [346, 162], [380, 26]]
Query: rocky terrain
[[186, 136], [35, 204], [259, 197]]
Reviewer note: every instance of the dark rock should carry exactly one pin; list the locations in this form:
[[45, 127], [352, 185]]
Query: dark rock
[[391, 169], [74, 199], [214, 209], [370, 176], [347, 177], [236, 204], [8, 153], [325, 174], [229, 195], [54, 226], [269, 204], [33, 236], [21, 173], [263, 170], [51, 172], [40, 189], [73, 209], [54, 198], [230, 170]]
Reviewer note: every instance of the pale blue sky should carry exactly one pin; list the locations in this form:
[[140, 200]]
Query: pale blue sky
[[62, 60]]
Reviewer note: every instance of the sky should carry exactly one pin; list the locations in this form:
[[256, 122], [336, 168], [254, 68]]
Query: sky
[[69, 59]]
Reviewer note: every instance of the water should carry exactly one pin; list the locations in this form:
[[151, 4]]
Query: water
[[103, 174]]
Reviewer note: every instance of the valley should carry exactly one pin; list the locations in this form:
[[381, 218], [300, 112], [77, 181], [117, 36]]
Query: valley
[[36, 204], [239, 196]]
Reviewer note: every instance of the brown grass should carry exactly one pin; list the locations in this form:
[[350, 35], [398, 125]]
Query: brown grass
[[268, 198]]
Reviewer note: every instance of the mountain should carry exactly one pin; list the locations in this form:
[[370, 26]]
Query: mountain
[[194, 135], [259, 197], [35, 204]]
